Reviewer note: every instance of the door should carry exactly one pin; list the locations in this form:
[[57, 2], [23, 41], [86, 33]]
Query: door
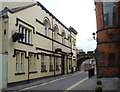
[[63, 65]]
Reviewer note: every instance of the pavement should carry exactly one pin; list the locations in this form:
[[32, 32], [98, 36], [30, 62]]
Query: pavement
[[108, 84]]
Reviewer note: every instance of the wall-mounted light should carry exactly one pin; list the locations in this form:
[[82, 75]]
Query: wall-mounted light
[[5, 15], [70, 54], [5, 18], [58, 50]]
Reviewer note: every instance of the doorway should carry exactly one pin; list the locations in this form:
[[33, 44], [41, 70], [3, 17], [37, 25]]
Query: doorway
[[63, 65]]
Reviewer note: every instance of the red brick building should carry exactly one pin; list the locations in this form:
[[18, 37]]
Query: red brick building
[[108, 39]]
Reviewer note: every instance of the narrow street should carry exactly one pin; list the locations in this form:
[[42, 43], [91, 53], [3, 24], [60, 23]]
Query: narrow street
[[64, 83]]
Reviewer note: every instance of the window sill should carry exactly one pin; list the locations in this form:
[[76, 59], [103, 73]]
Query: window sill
[[57, 69], [22, 73], [32, 72], [51, 70], [26, 43], [43, 70]]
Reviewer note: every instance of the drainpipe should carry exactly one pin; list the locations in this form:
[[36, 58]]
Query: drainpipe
[[67, 64], [53, 47], [28, 71], [71, 51]]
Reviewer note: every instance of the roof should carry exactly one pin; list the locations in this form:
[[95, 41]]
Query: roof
[[73, 30]]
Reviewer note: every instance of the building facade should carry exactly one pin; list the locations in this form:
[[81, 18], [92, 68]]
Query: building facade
[[35, 42], [108, 39]]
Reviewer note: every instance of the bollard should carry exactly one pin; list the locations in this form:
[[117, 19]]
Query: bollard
[[99, 82], [98, 89]]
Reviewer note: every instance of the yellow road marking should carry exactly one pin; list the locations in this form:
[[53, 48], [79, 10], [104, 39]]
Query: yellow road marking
[[29, 88], [71, 87]]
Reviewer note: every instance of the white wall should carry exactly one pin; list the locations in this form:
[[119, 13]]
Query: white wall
[[3, 70]]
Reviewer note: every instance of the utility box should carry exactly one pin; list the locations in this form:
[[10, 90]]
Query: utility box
[[3, 71]]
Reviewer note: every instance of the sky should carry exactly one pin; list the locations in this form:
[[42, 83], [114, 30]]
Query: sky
[[79, 14]]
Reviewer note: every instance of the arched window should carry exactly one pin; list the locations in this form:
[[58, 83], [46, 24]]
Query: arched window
[[56, 30], [63, 37], [46, 27]]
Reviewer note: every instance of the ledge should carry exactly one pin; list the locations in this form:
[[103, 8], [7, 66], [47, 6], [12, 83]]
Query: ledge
[[32, 72], [114, 27], [25, 43], [51, 70], [22, 73], [57, 69], [43, 70]]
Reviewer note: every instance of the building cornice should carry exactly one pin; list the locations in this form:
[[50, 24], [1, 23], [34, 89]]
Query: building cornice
[[107, 42], [17, 9], [114, 27]]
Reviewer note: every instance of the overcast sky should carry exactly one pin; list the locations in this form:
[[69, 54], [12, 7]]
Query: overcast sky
[[79, 14]]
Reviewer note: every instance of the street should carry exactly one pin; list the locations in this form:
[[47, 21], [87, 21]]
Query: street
[[64, 83]]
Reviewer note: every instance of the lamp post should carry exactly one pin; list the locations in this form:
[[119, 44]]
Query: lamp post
[[94, 35]]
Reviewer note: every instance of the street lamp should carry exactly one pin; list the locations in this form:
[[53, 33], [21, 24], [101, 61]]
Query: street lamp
[[70, 54], [94, 35], [5, 15], [58, 50]]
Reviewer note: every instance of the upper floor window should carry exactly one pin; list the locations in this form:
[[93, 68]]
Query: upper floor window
[[109, 13], [63, 37], [27, 34], [55, 33], [46, 27]]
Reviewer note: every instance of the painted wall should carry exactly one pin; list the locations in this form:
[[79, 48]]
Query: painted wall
[[3, 70], [28, 17]]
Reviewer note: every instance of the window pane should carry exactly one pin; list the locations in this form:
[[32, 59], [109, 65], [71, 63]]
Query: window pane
[[30, 64], [24, 34], [29, 37], [17, 62], [45, 30], [109, 13], [22, 62]]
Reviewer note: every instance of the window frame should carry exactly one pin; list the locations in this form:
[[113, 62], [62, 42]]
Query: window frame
[[27, 34], [108, 15]]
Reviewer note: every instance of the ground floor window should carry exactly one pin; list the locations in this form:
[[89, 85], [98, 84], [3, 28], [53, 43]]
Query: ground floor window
[[111, 58], [57, 63], [43, 64], [70, 65], [51, 64], [20, 58], [32, 62]]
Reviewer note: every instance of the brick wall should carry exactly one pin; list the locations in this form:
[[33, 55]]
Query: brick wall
[[108, 41]]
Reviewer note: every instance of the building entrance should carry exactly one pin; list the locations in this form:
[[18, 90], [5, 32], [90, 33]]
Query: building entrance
[[63, 65]]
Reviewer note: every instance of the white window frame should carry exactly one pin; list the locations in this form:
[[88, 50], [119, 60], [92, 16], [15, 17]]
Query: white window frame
[[20, 58], [27, 34]]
